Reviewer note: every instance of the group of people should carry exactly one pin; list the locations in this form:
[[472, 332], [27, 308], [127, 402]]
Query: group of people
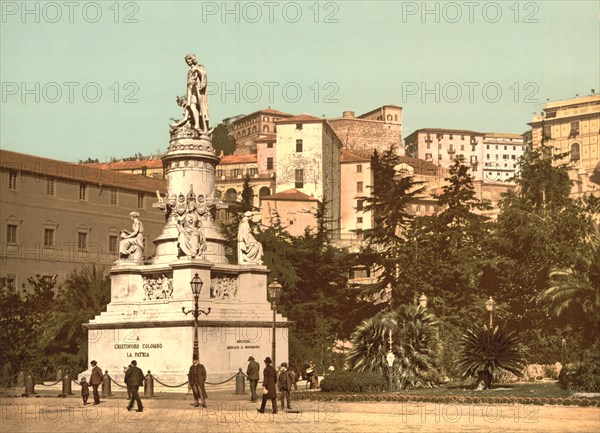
[[283, 381], [134, 378]]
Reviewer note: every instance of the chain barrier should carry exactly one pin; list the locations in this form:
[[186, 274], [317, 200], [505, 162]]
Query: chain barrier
[[115, 382], [221, 383], [52, 384], [168, 386]]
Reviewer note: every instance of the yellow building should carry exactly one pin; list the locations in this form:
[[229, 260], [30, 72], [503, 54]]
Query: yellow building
[[57, 216], [573, 126]]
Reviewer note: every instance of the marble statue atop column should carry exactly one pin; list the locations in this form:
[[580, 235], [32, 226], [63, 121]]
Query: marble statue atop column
[[250, 251], [195, 103], [131, 247]]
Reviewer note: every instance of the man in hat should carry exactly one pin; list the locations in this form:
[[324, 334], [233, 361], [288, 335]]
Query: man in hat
[[252, 373], [96, 380], [197, 377], [285, 381], [269, 386], [134, 378]]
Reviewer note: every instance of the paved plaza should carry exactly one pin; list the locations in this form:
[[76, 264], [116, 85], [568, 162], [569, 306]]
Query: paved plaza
[[231, 413]]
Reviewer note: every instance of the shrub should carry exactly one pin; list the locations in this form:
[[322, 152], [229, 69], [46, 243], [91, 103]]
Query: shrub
[[351, 381], [583, 376], [485, 351]]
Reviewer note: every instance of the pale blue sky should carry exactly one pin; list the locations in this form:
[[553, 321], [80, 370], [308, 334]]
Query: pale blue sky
[[376, 53]]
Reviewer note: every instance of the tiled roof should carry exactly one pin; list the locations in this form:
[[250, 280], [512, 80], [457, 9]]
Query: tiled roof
[[502, 135], [300, 118], [78, 172], [355, 156], [128, 165], [445, 131], [420, 165], [247, 158], [291, 195]]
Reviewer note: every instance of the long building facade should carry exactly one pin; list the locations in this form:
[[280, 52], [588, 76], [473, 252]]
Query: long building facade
[[57, 216]]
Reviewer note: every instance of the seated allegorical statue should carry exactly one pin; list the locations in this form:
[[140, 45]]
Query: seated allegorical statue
[[250, 251], [131, 247]]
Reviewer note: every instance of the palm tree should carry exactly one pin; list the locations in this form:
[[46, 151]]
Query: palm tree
[[487, 350], [81, 297], [414, 346], [577, 286]]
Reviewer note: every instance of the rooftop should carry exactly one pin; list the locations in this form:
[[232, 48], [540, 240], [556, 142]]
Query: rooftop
[[290, 195]]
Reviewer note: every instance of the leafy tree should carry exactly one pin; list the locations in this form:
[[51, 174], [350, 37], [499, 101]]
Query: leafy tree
[[386, 240], [222, 141], [83, 295]]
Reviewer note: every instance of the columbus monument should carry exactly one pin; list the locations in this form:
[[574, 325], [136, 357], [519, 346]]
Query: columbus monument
[[146, 319]]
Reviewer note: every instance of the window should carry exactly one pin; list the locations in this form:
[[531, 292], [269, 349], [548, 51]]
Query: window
[[575, 152], [266, 128], [360, 204], [252, 171], [428, 145], [113, 196], [473, 148], [298, 125], [359, 187], [547, 132], [12, 180], [451, 136], [236, 172], [269, 163], [82, 241], [140, 200], [49, 186], [270, 145], [220, 172], [505, 147], [462, 137], [462, 147], [359, 168], [11, 234], [428, 156], [49, 238], [360, 273], [513, 157], [487, 146], [112, 244], [299, 177], [487, 156], [359, 220], [574, 129], [299, 145], [473, 159], [82, 191]]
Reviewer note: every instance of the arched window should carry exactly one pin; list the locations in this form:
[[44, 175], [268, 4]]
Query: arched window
[[575, 152], [264, 191], [254, 129], [395, 117], [230, 195], [389, 117], [266, 128]]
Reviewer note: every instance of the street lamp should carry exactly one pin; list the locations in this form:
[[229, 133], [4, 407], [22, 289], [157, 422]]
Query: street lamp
[[490, 305], [196, 285], [423, 301], [390, 360], [273, 295]]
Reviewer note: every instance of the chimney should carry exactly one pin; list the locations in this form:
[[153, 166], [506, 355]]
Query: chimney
[[348, 115]]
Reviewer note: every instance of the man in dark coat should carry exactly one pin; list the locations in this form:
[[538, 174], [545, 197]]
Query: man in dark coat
[[196, 378], [253, 375], [269, 386], [96, 380], [285, 381], [134, 378]]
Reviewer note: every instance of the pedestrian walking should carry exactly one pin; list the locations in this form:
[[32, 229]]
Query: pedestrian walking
[[125, 372], [134, 378], [196, 379], [85, 390], [269, 386], [294, 369], [96, 380], [253, 375], [285, 382]]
